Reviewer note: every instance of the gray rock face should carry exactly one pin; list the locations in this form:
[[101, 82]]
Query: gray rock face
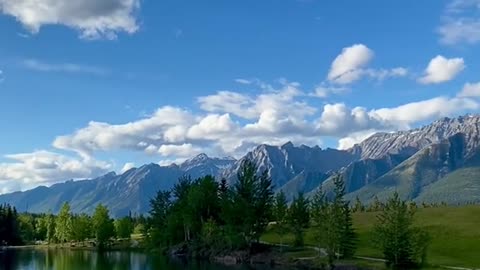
[[286, 162], [409, 142], [409, 161], [128, 192]]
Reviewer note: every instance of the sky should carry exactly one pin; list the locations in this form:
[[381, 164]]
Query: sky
[[88, 87]]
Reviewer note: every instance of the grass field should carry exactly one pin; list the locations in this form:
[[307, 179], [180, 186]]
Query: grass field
[[455, 233]]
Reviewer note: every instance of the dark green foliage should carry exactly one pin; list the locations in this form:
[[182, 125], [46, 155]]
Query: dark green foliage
[[280, 211], [205, 213], [333, 224], [403, 245], [124, 227], [81, 227], [103, 228], [299, 218], [347, 244], [9, 227]]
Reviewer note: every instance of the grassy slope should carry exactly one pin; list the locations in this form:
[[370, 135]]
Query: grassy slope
[[455, 235], [465, 181]]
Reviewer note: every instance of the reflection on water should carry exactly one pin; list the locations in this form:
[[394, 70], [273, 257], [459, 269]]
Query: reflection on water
[[61, 259]]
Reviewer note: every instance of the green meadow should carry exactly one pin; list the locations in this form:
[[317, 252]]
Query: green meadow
[[455, 233]]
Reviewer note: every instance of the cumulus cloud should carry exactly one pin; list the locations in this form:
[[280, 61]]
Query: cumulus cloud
[[127, 166], [347, 67], [441, 69], [37, 65], [275, 115], [157, 129], [470, 90], [351, 65], [460, 22], [92, 18], [43, 168]]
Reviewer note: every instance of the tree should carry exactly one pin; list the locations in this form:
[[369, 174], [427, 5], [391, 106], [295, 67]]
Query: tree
[[252, 199], [343, 215], [26, 224], [124, 227], [299, 218], [358, 207], [102, 225], [63, 226], [51, 223], [280, 210], [159, 216], [82, 227], [325, 226], [403, 245], [9, 227]]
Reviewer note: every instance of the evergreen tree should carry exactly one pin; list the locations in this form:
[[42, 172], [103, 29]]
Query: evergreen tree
[[280, 209], [299, 218], [63, 226], [358, 207], [403, 245], [252, 200], [343, 215]]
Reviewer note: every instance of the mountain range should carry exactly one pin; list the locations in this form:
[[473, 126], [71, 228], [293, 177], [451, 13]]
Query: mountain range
[[439, 162]]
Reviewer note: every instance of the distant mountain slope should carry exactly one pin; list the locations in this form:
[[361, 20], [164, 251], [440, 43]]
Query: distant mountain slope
[[411, 178], [130, 191], [437, 162], [290, 163]]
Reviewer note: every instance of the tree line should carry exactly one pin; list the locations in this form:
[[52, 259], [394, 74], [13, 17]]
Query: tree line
[[66, 227], [208, 217], [205, 217]]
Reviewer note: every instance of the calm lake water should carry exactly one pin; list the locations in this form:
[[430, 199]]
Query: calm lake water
[[79, 260]]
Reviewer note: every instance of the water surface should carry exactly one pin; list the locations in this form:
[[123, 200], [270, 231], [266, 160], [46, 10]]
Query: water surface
[[61, 259]]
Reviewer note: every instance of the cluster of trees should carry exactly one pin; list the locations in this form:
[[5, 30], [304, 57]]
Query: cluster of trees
[[210, 215], [377, 205], [9, 227], [17, 229], [330, 220]]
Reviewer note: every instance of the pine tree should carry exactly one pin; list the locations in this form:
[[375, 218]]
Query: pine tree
[[403, 245], [299, 218], [280, 209], [347, 235]]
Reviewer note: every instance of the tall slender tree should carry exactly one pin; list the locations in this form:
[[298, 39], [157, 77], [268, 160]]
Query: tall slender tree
[[63, 225], [299, 218]]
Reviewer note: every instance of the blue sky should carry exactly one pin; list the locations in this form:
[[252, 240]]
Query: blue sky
[[91, 87]]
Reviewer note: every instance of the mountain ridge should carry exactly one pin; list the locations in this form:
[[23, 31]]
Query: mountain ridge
[[432, 152]]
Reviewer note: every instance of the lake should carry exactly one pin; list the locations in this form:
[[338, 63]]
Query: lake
[[62, 259]]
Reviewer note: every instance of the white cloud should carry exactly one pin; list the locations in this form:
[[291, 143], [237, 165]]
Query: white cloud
[[43, 167], [414, 112], [323, 91], [243, 81], [347, 67], [92, 18], [37, 65], [470, 90], [355, 138], [183, 150], [127, 166], [461, 23], [351, 65], [229, 123], [441, 69]]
